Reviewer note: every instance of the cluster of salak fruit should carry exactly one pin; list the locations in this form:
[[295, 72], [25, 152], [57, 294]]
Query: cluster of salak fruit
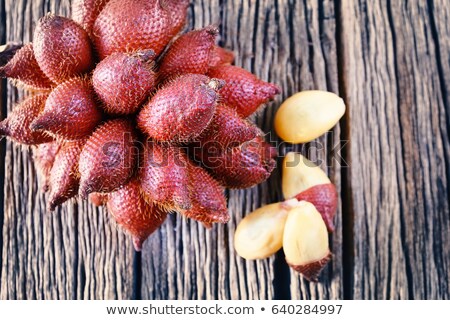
[[126, 111]]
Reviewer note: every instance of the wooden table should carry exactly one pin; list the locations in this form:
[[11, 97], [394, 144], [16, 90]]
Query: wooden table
[[389, 158]]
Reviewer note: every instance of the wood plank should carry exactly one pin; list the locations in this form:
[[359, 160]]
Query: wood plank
[[399, 162], [2, 114], [73, 253], [280, 41]]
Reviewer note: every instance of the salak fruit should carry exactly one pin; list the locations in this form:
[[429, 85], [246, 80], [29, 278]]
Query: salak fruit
[[120, 99]]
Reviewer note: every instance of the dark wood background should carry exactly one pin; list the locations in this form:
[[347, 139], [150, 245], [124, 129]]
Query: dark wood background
[[389, 157]]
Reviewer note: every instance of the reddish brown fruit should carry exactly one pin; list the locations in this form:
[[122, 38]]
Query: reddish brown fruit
[[190, 53], [133, 213], [132, 25], [304, 180], [70, 111], [177, 10], [64, 176], [305, 240], [243, 166], [85, 12], [164, 176], [124, 81], [227, 130], [311, 271], [17, 125], [220, 56], [181, 110], [7, 52], [209, 204], [62, 48], [98, 199], [44, 156], [109, 157], [243, 90], [24, 69], [324, 197]]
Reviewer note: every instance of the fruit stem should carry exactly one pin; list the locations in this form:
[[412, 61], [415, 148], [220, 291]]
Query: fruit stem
[[216, 84], [146, 55]]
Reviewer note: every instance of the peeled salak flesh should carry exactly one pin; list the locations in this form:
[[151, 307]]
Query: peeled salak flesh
[[131, 111]]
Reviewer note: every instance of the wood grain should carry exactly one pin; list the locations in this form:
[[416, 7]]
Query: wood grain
[[390, 60], [399, 160], [73, 253]]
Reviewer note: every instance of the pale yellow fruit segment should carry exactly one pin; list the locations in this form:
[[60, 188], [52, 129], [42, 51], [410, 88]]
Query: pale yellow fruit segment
[[260, 234], [307, 115], [300, 174], [305, 238]]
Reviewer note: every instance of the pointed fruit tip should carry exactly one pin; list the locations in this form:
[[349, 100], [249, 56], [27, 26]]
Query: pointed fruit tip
[[38, 124], [311, 271], [3, 72], [137, 243], [84, 191], [3, 129], [212, 29]]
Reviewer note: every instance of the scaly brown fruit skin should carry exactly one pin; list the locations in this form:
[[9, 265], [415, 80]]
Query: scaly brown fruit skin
[[325, 198], [177, 12], [98, 199], [181, 110], [305, 239], [64, 176], [190, 53], [44, 157], [220, 56], [209, 204], [243, 166], [24, 69], [85, 12], [123, 81], [70, 111], [7, 51], [311, 271], [108, 158], [17, 125], [62, 48], [133, 213], [227, 130], [164, 176], [132, 25], [243, 90], [306, 181]]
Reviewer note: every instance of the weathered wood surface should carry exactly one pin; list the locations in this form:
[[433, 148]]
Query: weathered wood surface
[[391, 63]]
